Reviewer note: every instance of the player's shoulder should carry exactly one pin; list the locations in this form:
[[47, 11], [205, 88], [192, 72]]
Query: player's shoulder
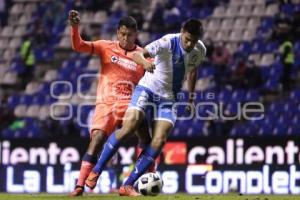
[[169, 40], [106, 42], [170, 36], [200, 47]]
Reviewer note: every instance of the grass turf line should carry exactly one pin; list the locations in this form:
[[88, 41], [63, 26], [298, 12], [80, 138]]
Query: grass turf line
[[181, 196]]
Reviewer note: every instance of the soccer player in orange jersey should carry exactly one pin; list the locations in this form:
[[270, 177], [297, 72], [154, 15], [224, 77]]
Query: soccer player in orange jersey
[[118, 77]]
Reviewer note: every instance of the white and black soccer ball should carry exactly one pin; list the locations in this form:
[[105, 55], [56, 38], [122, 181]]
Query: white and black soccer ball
[[150, 184]]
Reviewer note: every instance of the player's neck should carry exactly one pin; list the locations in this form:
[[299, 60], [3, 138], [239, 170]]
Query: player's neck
[[130, 48]]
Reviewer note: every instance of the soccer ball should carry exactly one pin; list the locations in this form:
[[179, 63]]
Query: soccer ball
[[150, 184]]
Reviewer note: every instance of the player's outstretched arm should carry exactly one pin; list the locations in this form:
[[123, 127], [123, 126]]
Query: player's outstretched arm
[[78, 44], [139, 58]]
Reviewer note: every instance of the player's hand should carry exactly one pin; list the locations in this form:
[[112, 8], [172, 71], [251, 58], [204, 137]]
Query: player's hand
[[74, 18], [149, 66], [190, 109]]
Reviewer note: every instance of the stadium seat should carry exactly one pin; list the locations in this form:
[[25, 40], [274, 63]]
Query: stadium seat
[[280, 127], [13, 101], [50, 75], [225, 96], [30, 8], [253, 23], [258, 10], [252, 96], [100, 17], [24, 20], [7, 31], [245, 47], [33, 111], [65, 43], [239, 130], [93, 64], [295, 94], [271, 47], [276, 107], [38, 99], [16, 9], [20, 31], [272, 9], [4, 43], [245, 11], [219, 12], [287, 9], [20, 110], [238, 96], [266, 128], [7, 134], [267, 23], [267, 59], [232, 11], [258, 46], [291, 130], [235, 36], [44, 112], [26, 99], [76, 99], [236, 2], [144, 37], [9, 54], [86, 17], [10, 78], [227, 24], [32, 87], [206, 71], [240, 23], [256, 58], [249, 34], [213, 24]]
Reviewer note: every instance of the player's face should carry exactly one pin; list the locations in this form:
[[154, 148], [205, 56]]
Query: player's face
[[188, 41], [126, 37]]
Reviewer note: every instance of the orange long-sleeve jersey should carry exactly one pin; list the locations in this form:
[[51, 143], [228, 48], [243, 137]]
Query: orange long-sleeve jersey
[[118, 75]]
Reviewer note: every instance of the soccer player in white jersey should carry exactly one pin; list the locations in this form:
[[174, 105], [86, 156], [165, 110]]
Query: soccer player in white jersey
[[175, 56]]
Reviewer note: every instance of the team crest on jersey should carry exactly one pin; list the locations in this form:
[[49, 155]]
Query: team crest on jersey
[[114, 59], [123, 62]]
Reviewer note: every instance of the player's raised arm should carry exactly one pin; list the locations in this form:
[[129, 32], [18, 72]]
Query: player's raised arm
[[78, 44], [139, 58]]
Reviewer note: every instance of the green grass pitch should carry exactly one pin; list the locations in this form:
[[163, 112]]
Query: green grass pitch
[[159, 197]]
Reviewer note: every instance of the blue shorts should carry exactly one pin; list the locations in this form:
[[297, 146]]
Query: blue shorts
[[144, 100]]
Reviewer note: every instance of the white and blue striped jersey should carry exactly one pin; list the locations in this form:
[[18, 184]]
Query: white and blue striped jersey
[[172, 63]]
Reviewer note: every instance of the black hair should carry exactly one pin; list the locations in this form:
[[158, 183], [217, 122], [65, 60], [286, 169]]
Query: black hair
[[128, 22], [193, 26]]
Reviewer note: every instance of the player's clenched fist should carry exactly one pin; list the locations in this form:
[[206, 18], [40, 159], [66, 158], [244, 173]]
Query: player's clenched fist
[[74, 17], [149, 66]]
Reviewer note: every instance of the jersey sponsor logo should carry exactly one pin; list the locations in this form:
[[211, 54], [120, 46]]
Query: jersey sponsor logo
[[123, 62]]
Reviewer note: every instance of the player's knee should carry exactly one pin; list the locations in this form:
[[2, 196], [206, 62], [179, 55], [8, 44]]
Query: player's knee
[[98, 136], [158, 142], [130, 125], [144, 140]]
